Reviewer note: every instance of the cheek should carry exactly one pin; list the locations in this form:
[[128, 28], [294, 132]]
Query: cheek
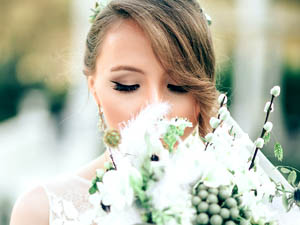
[[185, 106], [117, 107], [117, 110]]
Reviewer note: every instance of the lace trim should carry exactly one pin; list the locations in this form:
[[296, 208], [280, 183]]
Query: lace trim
[[68, 209]]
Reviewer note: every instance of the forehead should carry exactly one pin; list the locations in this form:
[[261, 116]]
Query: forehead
[[125, 43]]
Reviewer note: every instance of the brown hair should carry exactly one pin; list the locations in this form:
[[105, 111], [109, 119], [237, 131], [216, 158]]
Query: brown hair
[[181, 41]]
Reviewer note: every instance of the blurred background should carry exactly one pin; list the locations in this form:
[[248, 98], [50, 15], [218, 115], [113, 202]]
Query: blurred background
[[48, 121]]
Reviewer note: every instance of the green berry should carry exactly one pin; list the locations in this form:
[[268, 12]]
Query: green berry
[[216, 220], [214, 209], [211, 198], [234, 213], [224, 194], [203, 207], [225, 213], [245, 222], [239, 200], [247, 214], [202, 187], [221, 187], [230, 222], [213, 190], [260, 221], [202, 219], [196, 200], [203, 194], [230, 203]]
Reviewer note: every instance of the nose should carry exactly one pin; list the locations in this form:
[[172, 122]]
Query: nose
[[155, 95]]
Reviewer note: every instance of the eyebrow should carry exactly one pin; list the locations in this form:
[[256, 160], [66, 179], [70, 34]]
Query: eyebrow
[[127, 68]]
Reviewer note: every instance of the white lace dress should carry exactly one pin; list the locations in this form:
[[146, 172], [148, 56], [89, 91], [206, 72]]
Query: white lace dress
[[68, 200], [69, 205]]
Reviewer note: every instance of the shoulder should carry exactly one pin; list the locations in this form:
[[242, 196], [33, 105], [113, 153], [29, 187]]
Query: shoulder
[[31, 208]]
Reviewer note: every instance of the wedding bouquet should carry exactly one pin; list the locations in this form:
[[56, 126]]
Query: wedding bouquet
[[156, 178]]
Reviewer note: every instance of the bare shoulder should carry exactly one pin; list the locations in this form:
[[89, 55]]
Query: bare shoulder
[[31, 208]]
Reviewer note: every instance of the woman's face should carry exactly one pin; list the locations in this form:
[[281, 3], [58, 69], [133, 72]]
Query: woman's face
[[128, 77]]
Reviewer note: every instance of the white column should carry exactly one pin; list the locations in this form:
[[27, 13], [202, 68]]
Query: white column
[[250, 61]]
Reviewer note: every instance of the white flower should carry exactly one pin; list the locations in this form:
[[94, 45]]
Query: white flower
[[268, 126], [259, 143], [222, 98], [214, 122], [103, 4], [180, 121], [275, 91], [267, 106], [95, 199], [115, 190], [142, 133]]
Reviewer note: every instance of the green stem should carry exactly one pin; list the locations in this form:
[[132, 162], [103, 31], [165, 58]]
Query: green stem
[[284, 190]]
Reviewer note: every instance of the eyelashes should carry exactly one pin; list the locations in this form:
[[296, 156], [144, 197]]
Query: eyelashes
[[126, 88], [178, 89], [130, 88]]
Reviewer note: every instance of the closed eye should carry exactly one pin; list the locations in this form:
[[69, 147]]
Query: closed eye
[[126, 88], [178, 89]]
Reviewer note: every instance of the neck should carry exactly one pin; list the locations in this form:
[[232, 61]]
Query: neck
[[89, 171]]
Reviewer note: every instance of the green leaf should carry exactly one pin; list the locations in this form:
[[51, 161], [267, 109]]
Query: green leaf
[[93, 190], [285, 201], [203, 139], [271, 197], [267, 137], [278, 151], [235, 190], [292, 177], [285, 170]]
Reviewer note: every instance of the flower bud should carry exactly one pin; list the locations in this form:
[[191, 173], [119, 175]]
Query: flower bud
[[108, 165], [214, 122], [222, 110], [268, 126], [221, 98], [224, 115], [259, 143], [209, 137], [267, 106], [100, 173], [275, 91]]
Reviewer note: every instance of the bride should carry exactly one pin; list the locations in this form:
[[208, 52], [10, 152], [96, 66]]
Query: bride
[[137, 52]]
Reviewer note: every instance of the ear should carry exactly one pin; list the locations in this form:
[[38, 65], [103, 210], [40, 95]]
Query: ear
[[91, 85]]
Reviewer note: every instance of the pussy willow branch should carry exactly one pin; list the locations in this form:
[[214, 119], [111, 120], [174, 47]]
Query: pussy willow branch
[[262, 132], [112, 158], [214, 129]]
